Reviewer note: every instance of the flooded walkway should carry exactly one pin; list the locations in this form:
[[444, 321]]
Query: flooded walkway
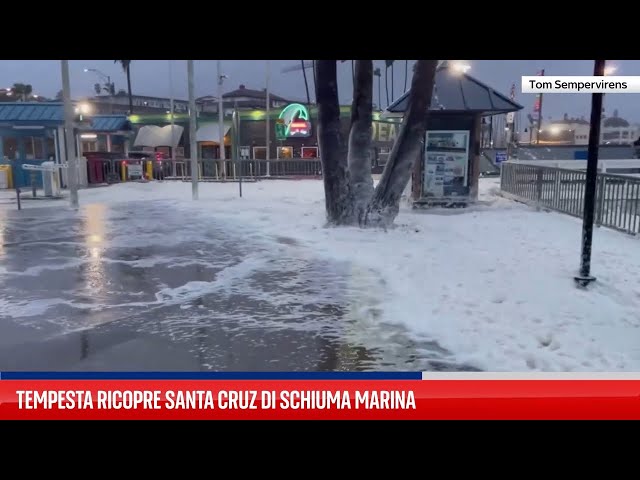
[[151, 286]]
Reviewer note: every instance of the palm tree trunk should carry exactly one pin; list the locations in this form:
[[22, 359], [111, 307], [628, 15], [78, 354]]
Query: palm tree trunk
[[380, 92], [129, 90], [385, 203], [359, 156], [392, 89], [406, 74], [333, 149], [306, 84], [386, 83]]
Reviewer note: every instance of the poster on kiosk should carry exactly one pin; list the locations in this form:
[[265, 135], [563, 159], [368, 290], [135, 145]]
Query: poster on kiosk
[[446, 164]]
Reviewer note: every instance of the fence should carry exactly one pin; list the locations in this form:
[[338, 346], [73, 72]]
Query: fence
[[562, 190], [212, 169]]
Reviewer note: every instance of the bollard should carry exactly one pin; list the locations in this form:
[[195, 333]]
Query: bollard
[[34, 184]]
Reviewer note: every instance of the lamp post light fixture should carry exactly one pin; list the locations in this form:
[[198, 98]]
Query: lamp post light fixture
[[460, 67], [107, 86]]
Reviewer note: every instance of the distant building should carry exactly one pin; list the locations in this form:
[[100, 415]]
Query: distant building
[[142, 104], [247, 99], [618, 131], [575, 131], [243, 98]]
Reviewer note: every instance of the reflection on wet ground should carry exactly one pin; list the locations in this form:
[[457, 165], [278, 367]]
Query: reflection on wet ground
[[160, 287]]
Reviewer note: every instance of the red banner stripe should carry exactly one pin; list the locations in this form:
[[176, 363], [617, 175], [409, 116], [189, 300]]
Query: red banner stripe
[[419, 400]]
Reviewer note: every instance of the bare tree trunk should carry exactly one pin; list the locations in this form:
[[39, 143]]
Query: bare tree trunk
[[333, 149], [359, 160], [386, 82], [306, 84], [129, 89], [385, 203]]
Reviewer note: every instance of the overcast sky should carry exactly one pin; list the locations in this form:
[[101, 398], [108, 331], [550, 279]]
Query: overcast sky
[[151, 77]]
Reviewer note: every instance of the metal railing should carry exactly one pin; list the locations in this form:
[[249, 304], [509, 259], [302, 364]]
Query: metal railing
[[218, 170], [562, 190]]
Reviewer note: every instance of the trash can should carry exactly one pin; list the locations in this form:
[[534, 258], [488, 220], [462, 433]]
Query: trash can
[[5, 177]]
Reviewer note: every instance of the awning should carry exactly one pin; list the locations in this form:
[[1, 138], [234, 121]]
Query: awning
[[154, 136], [108, 124], [210, 132]]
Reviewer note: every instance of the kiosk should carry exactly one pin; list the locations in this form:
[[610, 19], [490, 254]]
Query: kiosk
[[448, 169]]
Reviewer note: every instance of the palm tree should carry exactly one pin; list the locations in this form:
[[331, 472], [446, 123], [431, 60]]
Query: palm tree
[[387, 64], [378, 73], [406, 73], [126, 66], [22, 91], [306, 84], [353, 74], [392, 89]]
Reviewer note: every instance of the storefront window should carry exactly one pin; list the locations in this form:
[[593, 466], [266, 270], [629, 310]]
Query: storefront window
[[309, 152], [285, 152]]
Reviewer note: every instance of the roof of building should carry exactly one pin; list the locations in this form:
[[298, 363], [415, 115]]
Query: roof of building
[[243, 91], [52, 113], [457, 91], [109, 123], [570, 121], [32, 112], [615, 122]]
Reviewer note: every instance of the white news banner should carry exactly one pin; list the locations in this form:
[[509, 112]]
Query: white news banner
[[579, 84]]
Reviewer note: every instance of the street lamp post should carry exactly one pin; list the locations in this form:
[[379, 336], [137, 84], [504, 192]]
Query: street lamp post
[[222, 156], [72, 168], [267, 126], [171, 106], [585, 278], [192, 132]]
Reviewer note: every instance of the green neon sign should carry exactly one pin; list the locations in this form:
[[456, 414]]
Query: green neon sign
[[296, 119]]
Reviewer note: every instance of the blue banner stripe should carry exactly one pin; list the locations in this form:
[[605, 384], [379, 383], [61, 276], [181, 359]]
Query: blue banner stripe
[[211, 376]]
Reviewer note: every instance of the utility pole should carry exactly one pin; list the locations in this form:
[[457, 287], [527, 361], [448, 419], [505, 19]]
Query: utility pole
[[171, 107], [221, 77], [585, 278], [70, 144], [267, 132], [539, 112], [192, 132]]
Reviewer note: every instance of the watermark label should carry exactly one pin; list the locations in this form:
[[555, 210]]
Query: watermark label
[[576, 84]]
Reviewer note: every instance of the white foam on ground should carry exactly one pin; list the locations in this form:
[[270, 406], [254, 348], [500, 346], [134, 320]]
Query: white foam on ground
[[492, 284]]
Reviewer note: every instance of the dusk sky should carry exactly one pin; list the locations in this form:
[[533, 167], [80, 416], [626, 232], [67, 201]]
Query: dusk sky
[[151, 77]]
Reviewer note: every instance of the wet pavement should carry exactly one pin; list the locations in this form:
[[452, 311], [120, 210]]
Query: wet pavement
[[162, 287]]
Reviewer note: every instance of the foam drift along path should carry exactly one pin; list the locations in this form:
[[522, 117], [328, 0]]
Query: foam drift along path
[[145, 278]]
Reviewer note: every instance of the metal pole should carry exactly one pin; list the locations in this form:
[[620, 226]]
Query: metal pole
[[192, 132], [267, 132], [539, 113], [221, 120], [221, 145], [71, 159], [585, 278], [491, 132], [236, 143], [173, 156]]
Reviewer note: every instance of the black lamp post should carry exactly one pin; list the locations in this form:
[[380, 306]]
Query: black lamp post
[[585, 277]]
